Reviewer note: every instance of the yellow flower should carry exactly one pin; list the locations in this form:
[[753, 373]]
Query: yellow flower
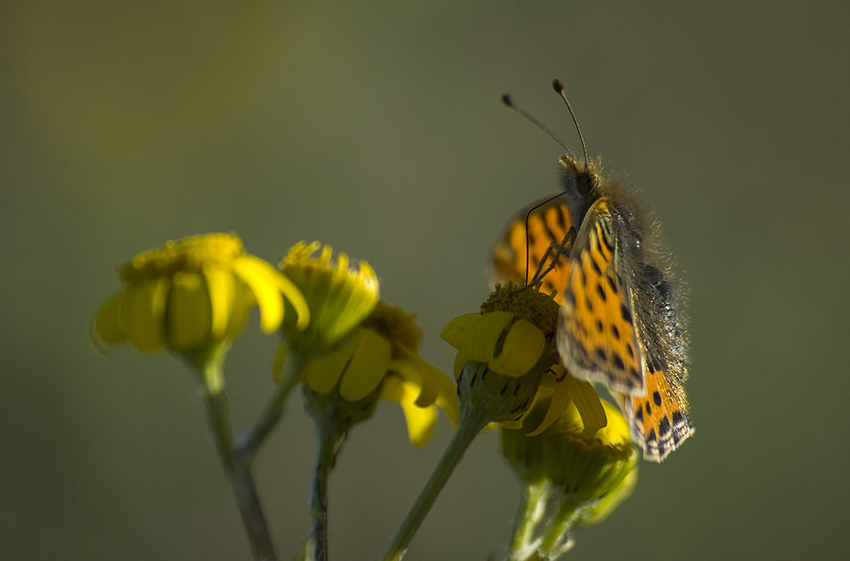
[[378, 360], [513, 338], [339, 296], [570, 479], [193, 294]]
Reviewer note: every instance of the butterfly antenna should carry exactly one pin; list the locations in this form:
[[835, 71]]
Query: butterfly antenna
[[509, 101], [528, 239], [559, 88]]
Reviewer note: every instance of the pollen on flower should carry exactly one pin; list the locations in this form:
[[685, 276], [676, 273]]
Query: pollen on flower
[[187, 254], [529, 304], [396, 325]]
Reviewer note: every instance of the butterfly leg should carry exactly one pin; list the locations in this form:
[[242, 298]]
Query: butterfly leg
[[554, 253]]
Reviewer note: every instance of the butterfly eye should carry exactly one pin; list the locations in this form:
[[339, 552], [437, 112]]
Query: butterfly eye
[[585, 184]]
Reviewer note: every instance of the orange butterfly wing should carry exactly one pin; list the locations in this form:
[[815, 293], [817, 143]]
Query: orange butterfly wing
[[597, 337], [659, 420], [548, 224]]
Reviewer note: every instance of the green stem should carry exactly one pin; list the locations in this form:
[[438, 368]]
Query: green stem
[[236, 466], [468, 429], [326, 440], [531, 509], [249, 444], [558, 539]]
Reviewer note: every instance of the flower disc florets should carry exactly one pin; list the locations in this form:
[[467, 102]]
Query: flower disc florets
[[531, 305], [339, 294]]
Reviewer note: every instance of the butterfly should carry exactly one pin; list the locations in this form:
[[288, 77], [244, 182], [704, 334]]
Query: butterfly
[[621, 319]]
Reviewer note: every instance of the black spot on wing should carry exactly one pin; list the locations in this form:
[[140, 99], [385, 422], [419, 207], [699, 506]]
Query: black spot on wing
[[612, 285], [664, 427], [651, 438], [656, 397], [604, 241], [618, 362], [595, 266]]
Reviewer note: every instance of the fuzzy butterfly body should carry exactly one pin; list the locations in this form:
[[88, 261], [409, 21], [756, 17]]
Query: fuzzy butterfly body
[[620, 321]]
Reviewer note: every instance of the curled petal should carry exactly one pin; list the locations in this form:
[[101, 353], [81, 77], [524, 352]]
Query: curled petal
[[294, 296], [457, 367], [413, 369], [589, 406], [222, 295], [446, 394], [367, 367], [143, 313], [420, 420], [261, 279], [455, 331], [106, 324], [559, 401], [189, 311]]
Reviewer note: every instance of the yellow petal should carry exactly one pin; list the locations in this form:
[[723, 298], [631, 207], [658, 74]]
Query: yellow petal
[[415, 370], [479, 344], [459, 362], [455, 331], [446, 395], [106, 324], [420, 420], [240, 309], [294, 296], [559, 401], [522, 349], [367, 367], [512, 425], [322, 373], [222, 294], [189, 312], [143, 313], [589, 406], [262, 279]]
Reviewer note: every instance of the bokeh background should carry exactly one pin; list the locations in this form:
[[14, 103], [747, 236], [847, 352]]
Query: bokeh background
[[376, 126]]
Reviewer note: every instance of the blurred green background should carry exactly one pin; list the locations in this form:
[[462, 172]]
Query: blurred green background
[[376, 126]]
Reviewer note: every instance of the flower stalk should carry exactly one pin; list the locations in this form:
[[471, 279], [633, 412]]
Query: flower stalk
[[237, 466], [326, 442], [530, 512], [472, 421], [249, 443]]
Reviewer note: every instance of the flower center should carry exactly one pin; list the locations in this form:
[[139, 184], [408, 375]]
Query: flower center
[[188, 254]]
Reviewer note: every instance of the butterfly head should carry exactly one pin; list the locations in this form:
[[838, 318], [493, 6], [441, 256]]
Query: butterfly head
[[581, 183]]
